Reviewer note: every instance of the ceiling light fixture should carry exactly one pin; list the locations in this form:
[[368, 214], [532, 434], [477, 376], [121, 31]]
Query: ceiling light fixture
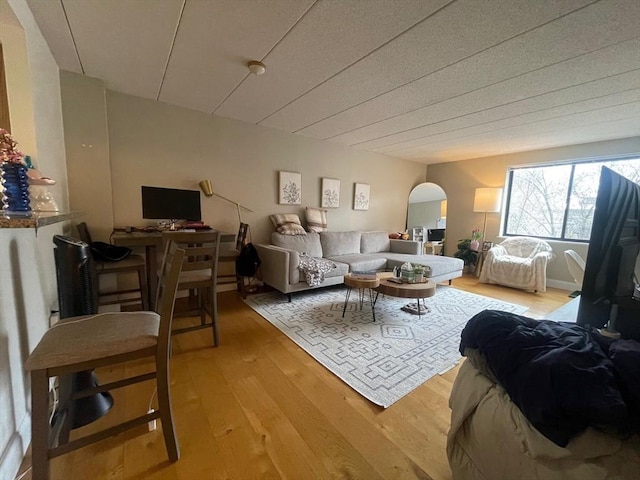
[[256, 67]]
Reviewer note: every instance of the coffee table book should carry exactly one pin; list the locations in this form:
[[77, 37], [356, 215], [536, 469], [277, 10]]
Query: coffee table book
[[364, 275]]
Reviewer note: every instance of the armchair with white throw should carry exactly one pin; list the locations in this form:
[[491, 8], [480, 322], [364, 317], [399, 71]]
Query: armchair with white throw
[[519, 262]]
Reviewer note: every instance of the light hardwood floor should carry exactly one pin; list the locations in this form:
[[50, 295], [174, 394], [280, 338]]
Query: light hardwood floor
[[259, 407]]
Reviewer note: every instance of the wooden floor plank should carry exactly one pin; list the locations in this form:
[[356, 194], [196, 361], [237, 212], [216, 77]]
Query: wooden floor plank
[[259, 406]]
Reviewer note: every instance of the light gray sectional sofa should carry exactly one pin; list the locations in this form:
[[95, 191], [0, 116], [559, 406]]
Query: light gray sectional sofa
[[360, 251]]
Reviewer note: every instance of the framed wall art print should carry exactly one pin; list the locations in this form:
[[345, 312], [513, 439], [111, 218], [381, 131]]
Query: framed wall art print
[[290, 188], [361, 196], [330, 193]]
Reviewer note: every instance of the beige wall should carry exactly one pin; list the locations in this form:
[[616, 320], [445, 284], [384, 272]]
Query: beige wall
[[460, 179], [27, 273], [156, 144]]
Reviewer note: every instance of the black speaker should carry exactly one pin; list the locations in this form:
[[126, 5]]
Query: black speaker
[[77, 277], [78, 295]]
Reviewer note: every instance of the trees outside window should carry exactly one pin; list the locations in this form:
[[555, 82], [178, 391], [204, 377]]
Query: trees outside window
[[558, 201]]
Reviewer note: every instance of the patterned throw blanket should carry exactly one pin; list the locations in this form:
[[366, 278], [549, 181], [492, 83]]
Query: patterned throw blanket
[[314, 269]]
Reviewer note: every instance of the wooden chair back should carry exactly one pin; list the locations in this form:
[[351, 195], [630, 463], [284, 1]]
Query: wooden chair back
[[172, 264], [242, 236], [199, 274]]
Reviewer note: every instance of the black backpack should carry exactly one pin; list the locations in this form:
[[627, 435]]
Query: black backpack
[[248, 261]]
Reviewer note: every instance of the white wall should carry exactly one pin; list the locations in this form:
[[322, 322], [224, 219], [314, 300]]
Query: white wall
[[424, 214], [460, 179], [87, 143], [27, 274]]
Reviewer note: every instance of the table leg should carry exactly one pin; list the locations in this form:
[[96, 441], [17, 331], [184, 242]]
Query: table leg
[[373, 304], [346, 300], [361, 297]]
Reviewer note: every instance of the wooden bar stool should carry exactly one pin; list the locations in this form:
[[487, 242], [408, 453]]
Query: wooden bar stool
[[199, 273], [230, 256], [133, 263], [83, 343]]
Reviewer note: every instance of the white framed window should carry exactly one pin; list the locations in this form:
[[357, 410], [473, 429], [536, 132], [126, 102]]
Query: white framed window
[[557, 201]]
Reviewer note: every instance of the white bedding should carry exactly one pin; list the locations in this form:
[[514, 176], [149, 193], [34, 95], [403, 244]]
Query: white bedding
[[490, 439]]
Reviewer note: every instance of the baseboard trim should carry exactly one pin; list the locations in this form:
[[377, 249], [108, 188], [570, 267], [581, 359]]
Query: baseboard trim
[[16, 449], [562, 285]]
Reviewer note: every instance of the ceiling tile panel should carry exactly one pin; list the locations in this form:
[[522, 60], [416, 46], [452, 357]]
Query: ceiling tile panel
[[500, 145], [332, 36], [579, 70], [462, 29], [125, 43], [628, 114], [592, 90], [456, 129], [547, 45], [425, 80], [215, 41], [53, 24]]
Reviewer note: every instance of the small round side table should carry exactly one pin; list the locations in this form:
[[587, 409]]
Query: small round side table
[[362, 285]]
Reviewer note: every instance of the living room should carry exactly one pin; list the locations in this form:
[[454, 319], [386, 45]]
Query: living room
[[101, 145]]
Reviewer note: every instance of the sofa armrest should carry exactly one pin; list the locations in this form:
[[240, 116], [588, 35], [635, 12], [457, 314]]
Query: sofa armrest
[[277, 265], [412, 247]]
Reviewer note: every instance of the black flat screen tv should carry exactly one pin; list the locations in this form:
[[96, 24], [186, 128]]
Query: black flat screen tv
[[170, 204], [610, 273]]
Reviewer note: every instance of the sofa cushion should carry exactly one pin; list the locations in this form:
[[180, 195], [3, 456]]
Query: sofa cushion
[[340, 243], [372, 242], [309, 243], [341, 270], [361, 262], [316, 219]]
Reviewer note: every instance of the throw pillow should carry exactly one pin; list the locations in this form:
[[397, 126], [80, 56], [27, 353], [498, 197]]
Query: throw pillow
[[281, 219], [316, 219], [291, 229], [287, 224]]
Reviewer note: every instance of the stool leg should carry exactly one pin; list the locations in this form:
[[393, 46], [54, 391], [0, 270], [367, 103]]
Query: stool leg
[[144, 287], [166, 414], [214, 316], [201, 305], [40, 424]]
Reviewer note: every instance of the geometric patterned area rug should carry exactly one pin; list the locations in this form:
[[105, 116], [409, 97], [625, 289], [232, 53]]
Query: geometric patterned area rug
[[382, 360]]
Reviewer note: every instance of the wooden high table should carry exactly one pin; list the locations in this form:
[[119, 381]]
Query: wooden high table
[[152, 242]]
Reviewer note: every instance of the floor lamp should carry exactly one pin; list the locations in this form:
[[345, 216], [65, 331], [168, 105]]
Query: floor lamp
[[207, 188], [487, 200]]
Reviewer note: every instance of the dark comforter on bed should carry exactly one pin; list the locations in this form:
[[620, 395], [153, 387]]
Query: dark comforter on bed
[[562, 376]]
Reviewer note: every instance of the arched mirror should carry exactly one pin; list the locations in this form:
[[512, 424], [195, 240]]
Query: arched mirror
[[427, 211]]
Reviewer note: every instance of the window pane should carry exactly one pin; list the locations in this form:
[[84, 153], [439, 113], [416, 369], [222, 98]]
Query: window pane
[[627, 168], [582, 202], [585, 189], [537, 201]]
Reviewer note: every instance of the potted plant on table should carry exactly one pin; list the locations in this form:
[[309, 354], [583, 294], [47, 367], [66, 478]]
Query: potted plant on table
[[476, 235], [418, 272], [467, 255]]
